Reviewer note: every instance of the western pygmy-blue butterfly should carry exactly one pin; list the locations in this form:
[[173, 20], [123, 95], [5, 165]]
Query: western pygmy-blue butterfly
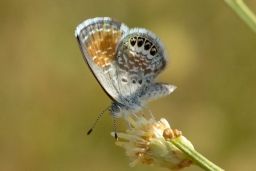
[[124, 61]]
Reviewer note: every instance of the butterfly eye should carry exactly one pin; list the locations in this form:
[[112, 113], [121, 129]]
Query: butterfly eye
[[147, 45], [133, 41], [153, 51], [140, 41]]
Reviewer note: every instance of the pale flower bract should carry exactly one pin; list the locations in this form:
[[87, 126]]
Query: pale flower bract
[[145, 143]]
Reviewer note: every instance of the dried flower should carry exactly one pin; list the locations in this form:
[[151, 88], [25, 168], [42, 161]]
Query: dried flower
[[147, 142]]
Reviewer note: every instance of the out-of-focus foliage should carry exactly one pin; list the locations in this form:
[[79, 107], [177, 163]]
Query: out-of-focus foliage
[[49, 98]]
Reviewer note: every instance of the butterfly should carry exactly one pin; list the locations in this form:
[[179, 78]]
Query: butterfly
[[124, 61]]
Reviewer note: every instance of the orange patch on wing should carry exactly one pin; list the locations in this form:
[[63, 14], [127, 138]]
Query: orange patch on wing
[[102, 46]]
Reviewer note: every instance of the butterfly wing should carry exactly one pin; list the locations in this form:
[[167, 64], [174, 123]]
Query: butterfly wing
[[141, 56], [98, 39], [157, 90]]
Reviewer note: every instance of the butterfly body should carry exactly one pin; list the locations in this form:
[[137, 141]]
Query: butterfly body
[[124, 61]]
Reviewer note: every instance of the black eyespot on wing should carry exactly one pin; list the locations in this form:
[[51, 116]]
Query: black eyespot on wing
[[153, 51], [140, 81], [147, 45], [133, 81], [133, 41], [124, 80], [140, 41]]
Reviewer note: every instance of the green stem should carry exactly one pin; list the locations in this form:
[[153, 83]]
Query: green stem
[[244, 12], [196, 157]]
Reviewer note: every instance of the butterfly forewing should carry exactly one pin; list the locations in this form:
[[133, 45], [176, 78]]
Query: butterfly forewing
[[98, 39]]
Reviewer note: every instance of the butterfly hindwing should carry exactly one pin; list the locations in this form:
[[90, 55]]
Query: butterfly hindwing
[[141, 52], [140, 55]]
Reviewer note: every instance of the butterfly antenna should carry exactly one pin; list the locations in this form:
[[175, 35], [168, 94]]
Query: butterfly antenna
[[96, 121]]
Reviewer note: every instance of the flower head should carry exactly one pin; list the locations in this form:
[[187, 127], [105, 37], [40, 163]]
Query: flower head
[[146, 141]]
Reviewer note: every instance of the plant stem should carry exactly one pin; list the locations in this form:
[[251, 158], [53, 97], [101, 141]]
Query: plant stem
[[196, 157], [244, 12]]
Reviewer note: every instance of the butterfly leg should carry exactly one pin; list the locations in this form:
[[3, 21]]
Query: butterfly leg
[[147, 110]]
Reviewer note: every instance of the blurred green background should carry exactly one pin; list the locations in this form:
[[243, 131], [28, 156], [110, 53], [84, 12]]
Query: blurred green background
[[49, 98]]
